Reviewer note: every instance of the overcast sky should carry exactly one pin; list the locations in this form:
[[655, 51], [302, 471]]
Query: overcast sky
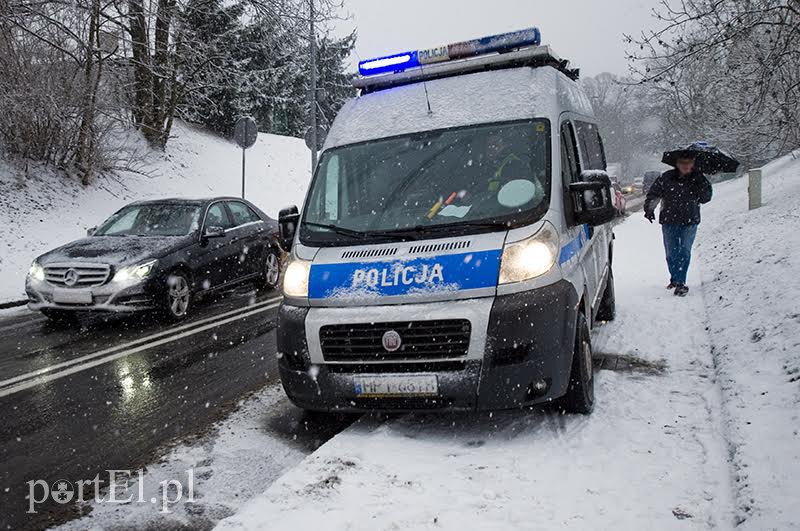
[[588, 32]]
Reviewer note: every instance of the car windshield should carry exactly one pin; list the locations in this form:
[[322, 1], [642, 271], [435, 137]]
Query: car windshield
[[443, 180], [152, 220]]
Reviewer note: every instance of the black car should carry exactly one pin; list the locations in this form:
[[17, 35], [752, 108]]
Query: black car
[[158, 255]]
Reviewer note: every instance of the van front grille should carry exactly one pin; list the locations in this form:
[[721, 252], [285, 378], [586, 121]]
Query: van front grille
[[76, 275], [419, 340]]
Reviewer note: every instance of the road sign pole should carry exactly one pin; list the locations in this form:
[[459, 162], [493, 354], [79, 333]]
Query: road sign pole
[[245, 132]]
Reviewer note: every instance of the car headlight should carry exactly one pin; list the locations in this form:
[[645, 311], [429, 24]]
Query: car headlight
[[531, 257], [295, 280], [135, 272], [36, 272]]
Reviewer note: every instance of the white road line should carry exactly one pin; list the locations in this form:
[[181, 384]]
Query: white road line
[[187, 326], [94, 363]]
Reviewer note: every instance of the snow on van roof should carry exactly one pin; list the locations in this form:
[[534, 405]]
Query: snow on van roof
[[476, 98]]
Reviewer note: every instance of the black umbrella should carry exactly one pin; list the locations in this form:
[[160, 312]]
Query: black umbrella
[[707, 158]]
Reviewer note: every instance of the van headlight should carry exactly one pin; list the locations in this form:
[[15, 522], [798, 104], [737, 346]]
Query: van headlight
[[36, 272], [295, 280], [135, 272], [531, 257]]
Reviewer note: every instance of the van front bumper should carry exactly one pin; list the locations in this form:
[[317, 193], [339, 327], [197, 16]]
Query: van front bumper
[[526, 359]]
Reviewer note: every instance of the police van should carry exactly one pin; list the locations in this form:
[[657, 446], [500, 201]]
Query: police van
[[454, 250]]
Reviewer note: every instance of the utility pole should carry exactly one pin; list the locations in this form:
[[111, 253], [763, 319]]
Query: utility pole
[[312, 38]]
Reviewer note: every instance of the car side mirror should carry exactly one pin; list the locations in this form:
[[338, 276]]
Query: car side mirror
[[287, 226], [90, 231], [213, 232], [592, 199]]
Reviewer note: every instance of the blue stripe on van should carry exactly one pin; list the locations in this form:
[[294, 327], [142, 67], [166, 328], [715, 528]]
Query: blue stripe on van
[[574, 247], [448, 272]]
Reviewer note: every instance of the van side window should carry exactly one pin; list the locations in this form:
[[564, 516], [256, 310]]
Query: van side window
[[591, 146], [570, 166]]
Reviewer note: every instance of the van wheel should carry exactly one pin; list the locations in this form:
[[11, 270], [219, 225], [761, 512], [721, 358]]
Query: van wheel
[[608, 306], [580, 391]]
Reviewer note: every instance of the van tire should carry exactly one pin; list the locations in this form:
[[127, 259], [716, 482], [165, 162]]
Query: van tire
[[607, 309], [580, 390]]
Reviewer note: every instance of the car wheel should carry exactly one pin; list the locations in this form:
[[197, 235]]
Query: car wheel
[[580, 391], [178, 297], [608, 305], [272, 269]]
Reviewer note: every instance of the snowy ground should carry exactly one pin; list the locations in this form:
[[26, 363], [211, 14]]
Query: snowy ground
[[44, 210], [751, 281], [701, 431]]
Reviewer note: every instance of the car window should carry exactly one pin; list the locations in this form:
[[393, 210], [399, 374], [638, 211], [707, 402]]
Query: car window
[[591, 146], [218, 217], [121, 224], [151, 220], [242, 213]]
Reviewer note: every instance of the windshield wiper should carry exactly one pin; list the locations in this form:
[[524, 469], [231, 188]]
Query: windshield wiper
[[414, 233], [337, 229]]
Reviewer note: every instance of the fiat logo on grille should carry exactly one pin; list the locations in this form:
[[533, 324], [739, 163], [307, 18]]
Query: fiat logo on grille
[[391, 341], [71, 277]]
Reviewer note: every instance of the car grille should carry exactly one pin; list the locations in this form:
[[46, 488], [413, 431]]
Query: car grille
[[420, 340], [85, 275]]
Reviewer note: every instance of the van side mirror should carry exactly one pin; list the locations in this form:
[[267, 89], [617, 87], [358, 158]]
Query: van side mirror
[[287, 226], [90, 231], [592, 199]]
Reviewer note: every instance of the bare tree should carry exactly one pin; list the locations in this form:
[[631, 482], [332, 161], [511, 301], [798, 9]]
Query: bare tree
[[731, 70]]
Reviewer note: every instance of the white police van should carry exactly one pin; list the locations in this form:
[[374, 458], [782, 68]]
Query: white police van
[[454, 250]]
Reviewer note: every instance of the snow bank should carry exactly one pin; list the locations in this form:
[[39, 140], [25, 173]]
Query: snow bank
[[751, 284], [45, 210]]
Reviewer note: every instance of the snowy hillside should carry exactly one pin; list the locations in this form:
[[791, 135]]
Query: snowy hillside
[[45, 210]]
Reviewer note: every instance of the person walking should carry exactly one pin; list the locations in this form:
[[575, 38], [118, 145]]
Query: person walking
[[680, 191]]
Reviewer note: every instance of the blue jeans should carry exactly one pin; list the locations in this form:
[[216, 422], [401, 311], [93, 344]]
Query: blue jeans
[[678, 240]]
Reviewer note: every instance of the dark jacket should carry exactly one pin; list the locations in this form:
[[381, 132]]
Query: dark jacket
[[680, 197]]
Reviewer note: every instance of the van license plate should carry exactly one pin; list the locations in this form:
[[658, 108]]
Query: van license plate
[[396, 385], [72, 296]]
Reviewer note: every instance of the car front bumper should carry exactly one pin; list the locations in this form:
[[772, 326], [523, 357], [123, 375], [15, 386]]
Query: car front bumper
[[524, 356], [109, 297]]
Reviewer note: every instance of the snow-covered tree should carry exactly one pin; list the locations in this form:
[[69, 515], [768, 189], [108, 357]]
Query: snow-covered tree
[[729, 71]]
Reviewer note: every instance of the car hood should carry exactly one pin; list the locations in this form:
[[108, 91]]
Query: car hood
[[115, 250]]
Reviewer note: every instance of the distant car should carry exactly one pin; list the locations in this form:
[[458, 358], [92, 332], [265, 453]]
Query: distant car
[[620, 201], [649, 178], [638, 183], [158, 255]]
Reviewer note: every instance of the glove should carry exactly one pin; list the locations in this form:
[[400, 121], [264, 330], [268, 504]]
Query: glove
[[650, 216]]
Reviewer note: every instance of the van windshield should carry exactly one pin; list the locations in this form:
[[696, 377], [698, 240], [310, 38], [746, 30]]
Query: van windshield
[[454, 180]]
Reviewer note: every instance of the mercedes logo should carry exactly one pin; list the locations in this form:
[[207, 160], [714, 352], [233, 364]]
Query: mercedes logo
[[71, 277], [391, 341]]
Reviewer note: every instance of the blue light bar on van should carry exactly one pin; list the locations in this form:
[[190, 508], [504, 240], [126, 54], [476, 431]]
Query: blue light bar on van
[[458, 50], [390, 63]]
